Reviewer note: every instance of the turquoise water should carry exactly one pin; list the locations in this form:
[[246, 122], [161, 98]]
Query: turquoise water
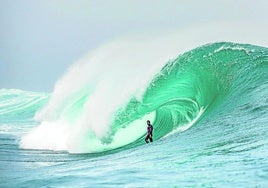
[[208, 107]]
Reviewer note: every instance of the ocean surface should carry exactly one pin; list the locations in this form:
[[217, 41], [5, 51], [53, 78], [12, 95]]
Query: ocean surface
[[208, 106]]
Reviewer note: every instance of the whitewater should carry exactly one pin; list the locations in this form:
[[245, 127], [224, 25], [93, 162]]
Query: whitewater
[[208, 106]]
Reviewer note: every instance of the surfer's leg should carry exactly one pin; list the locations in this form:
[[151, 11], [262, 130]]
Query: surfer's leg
[[146, 139]]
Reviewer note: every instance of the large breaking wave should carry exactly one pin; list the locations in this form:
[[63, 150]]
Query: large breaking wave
[[103, 101]]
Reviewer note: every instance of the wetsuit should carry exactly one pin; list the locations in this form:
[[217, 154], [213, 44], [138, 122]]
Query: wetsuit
[[149, 134]]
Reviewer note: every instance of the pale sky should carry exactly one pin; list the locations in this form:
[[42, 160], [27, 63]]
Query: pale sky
[[39, 40]]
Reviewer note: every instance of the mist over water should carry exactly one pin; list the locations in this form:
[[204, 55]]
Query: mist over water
[[87, 97]]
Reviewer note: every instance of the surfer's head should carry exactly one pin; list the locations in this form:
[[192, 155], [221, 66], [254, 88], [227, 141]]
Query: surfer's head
[[148, 122]]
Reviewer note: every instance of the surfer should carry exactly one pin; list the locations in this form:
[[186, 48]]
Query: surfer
[[149, 132]]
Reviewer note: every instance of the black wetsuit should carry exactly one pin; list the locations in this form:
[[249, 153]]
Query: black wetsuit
[[149, 134]]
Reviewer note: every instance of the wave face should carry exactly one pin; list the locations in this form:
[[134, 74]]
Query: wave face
[[97, 108], [17, 104]]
